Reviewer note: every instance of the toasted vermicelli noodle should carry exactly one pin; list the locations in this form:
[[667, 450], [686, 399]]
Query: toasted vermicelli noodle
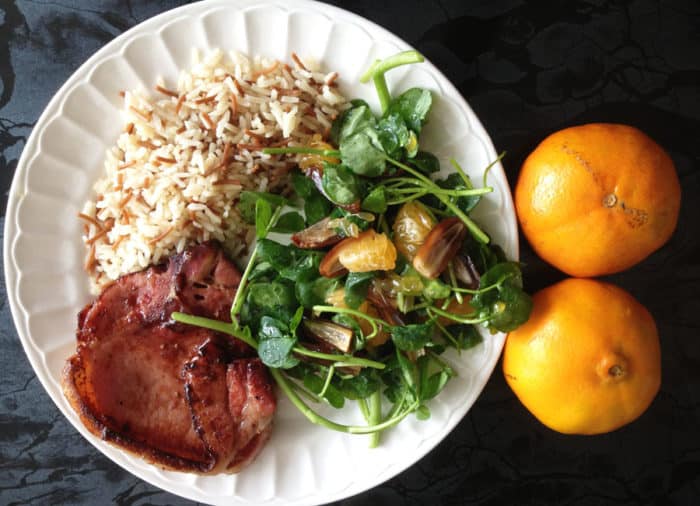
[[186, 152]]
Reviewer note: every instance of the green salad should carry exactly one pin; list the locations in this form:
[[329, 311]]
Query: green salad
[[381, 271]]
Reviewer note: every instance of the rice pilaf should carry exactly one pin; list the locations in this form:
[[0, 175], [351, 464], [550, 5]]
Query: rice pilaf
[[176, 172]]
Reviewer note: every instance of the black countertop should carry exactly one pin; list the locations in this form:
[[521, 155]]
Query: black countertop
[[527, 69]]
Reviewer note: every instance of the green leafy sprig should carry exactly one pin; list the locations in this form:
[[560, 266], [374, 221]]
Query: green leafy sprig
[[380, 166]]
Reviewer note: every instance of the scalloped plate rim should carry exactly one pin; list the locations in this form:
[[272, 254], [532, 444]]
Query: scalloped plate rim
[[116, 47]]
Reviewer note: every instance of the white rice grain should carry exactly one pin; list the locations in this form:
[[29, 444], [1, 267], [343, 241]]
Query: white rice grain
[[166, 182]]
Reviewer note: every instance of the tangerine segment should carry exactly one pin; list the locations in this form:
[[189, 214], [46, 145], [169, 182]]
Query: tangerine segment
[[587, 361], [367, 252], [597, 199]]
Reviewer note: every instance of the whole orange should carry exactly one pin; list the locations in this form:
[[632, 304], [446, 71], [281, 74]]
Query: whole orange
[[588, 359], [597, 199]]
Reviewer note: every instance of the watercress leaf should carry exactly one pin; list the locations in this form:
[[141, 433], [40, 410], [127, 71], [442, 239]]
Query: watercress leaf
[[410, 282], [362, 152], [434, 384], [263, 216], [394, 391], [356, 286], [334, 397], [342, 119], [375, 201], [392, 378], [412, 337], [393, 133], [341, 185], [315, 383], [413, 106], [484, 256], [289, 261], [348, 218], [426, 162], [276, 352], [289, 223], [455, 182], [452, 182], [507, 306], [248, 200], [296, 320], [467, 202], [431, 200], [301, 369], [338, 212], [361, 386], [434, 375], [409, 373], [467, 336], [260, 270], [315, 292], [347, 321], [274, 253], [437, 349], [304, 265], [275, 344], [504, 273], [272, 328], [303, 186], [511, 310], [434, 289], [422, 412], [246, 316], [316, 207], [269, 296], [354, 120]]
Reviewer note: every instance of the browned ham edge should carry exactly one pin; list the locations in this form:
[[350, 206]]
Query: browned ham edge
[[181, 397]]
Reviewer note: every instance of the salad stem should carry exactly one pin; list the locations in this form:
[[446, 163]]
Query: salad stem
[[456, 318], [378, 68], [347, 360], [375, 416], [447, 334], [326, 384], [301, 150], [453, 282], [395, 185], [375, 323], [443, 364], [382, 91], [413, 196], [306, 393], [314, 417], [478, 234], [363, 408], [474, 292], [238, 297], [462, 174], [216, 325], [491, 165]]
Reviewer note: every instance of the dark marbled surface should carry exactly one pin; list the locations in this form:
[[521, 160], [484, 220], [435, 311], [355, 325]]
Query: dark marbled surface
[[527, 68]]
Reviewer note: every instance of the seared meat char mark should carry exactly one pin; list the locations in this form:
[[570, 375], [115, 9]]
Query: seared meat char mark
[[162, 389], [251, 399], [232, 404]]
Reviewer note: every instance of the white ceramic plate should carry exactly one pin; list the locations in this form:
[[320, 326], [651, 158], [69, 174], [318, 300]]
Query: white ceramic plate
[[302, 464]]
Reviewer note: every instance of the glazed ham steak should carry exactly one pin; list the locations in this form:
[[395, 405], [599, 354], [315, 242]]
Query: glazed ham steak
[[182, 397]]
